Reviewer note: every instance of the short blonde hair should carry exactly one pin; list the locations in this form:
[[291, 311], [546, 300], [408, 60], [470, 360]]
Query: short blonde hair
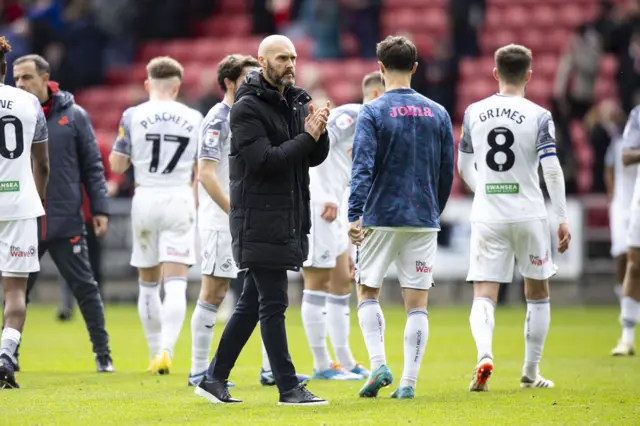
[[164, 67], [513, 62]]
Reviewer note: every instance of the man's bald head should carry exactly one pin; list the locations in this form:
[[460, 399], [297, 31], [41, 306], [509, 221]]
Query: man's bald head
[[277, 57]]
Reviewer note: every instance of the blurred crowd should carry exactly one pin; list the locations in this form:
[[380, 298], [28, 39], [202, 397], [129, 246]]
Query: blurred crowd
[[83, 39]]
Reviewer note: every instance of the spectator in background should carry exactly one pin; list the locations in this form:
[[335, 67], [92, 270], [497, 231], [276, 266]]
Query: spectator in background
[[440, 75], [574, 88], [208, 94], [604, 124], [467, 17], [263, 17], [624, 44], [322, 21], [363, 19], [605, 22], [94, 242]]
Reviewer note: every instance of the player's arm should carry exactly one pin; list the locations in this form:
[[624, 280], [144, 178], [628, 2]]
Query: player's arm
[[609, 176], [466, 160], [255, 146], [120, 158], [365, 146], [445, 182], [551, 169], [213, 134], [40, 154], [91, 169], [631, 139]]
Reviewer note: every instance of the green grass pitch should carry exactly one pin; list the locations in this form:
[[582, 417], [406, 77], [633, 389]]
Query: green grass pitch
[[59, 385]]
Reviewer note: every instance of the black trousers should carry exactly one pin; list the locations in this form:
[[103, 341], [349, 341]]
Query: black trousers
[[94, 245], [264, 298], [71, 257]]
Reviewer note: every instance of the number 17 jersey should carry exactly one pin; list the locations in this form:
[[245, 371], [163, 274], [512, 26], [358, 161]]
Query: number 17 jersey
[[508, 136], [161, 139]]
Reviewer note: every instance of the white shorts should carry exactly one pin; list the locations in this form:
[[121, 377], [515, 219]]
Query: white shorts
[[633, 232], [496, 246], [217, 254], [414, 254], [327, 240], [164, 229], [619, 225], [19, 247]]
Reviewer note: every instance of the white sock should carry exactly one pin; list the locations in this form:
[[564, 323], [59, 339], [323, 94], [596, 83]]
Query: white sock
[[629, 312], [314, 320], [150, 311], [482, 321], [266, 365], [9, 343], [174, 309], [339, 326], [372, 325], [202, 322], [536, 328], [416, 334]]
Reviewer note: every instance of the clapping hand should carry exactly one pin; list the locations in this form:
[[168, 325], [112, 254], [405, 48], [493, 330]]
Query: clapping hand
[[316, 122]]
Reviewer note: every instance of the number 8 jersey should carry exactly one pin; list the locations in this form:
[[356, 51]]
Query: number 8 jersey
[[161, 139], [508, 136]]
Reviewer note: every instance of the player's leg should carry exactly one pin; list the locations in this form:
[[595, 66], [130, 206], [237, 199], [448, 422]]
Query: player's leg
[[234, 337], [630, 302], [176, 244], [217, 268], [145, 257], [491, 262], [316, 274], [15, 313], [20, 236], [339, 316], [375, 254], [532, 245], [72, 260], [414, 263], [621, 269]]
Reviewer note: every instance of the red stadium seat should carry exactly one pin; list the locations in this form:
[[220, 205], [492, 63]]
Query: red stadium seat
[[544, 16], [226, 26], [608, 66], [232, 7], [545, 67]]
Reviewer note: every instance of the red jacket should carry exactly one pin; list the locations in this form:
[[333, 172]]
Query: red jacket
[[105, 151]]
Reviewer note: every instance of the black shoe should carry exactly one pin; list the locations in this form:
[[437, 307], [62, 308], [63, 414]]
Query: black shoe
[[104, 364], [65, 314], [300, 395], [215, 391], [7, 373]]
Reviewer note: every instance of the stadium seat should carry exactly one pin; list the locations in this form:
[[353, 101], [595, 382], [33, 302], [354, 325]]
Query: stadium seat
[[608, 66], [233, 7], [234, 25]]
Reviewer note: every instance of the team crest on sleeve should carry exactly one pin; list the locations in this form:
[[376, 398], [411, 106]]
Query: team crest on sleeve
[[121, 132], [461, 131], [552, 129], [212, 137], [344, 121]]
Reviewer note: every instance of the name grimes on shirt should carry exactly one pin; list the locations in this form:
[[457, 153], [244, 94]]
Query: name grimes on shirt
[[5, 104], [502, 112], [166, 116]]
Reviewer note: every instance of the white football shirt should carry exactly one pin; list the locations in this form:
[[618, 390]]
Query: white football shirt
[[624, 177], [508, 136], [330, 180], [631, 140], [161, 139], [215, 140], [22, 123]]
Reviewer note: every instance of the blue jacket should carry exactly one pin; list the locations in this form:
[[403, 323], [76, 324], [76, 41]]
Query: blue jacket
[[402, 169], [75, 160]]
